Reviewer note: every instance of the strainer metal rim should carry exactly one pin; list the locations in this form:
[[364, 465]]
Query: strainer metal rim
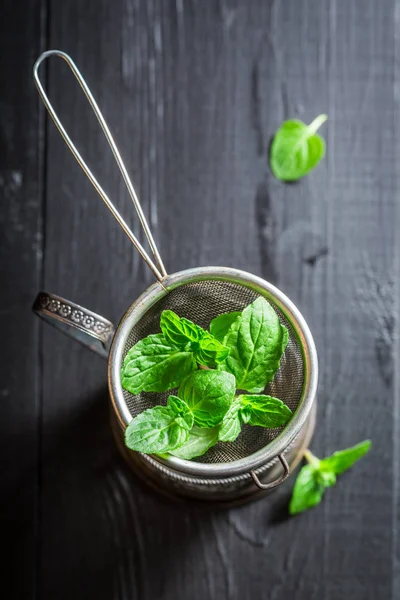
[[157, 291]]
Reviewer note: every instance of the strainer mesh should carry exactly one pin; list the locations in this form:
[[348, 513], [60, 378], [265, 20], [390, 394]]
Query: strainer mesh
[[201, 302]]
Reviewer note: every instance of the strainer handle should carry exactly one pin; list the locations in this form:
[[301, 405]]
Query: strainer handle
[[88, 328], [157, 267], [273, 484]]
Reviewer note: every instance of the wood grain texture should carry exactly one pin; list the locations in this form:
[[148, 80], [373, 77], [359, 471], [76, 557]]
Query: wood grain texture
[[21, 136], [193, 92]]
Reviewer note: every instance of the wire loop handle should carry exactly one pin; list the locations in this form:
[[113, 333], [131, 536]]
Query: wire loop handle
[[274, 484], [158, 268]]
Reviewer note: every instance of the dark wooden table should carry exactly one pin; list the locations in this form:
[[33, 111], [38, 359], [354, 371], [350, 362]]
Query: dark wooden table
[[193, 90]]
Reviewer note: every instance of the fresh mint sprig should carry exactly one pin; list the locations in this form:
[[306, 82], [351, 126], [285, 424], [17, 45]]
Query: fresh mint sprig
[[204, 410], [161, 361], [318, 475]]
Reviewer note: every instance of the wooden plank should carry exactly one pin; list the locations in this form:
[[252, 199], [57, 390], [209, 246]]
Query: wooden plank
[[21, 248], [193, 92]]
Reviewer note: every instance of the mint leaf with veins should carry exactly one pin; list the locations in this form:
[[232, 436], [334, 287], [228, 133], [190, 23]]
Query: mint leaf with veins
[[220, 326], [178, 331], [156, 431], [208, 394], [153, 365], [199, 441], [231, 424], [182, 412], [262, 411], [210, 351], [256, 341]]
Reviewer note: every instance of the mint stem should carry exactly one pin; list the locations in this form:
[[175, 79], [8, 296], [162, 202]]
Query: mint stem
[[316, 124], [311, 459]]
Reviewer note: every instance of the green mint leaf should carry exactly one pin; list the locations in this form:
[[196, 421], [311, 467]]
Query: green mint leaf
[[256, 341], [220, 326], [285, 339], [177, 405], [307, 491], [209, 395], [210, 351], [296, 149], [178, 331], [344, 459], [185, 335], [199, 441], [153, 365], [186, 421], [184, 415], [264, 411], [231, 423], [155, 430], [325, 478]]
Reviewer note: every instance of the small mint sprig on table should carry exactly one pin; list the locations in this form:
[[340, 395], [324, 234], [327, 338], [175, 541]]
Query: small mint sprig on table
[[318, 475], [296, 149]]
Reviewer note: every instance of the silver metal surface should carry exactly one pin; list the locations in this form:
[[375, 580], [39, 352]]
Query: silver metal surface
[[273, 484], [159, 272], [77, 322]]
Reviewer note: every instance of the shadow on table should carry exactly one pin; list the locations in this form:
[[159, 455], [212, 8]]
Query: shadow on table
[[99, 528]]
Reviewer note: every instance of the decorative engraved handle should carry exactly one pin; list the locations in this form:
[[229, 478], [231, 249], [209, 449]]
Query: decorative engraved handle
[[83, 325]]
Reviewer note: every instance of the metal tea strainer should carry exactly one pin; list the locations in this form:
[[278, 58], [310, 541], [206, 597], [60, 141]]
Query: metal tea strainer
[[260, 459]]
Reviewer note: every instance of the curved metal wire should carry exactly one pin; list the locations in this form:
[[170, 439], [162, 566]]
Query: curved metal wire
[[158, 268]]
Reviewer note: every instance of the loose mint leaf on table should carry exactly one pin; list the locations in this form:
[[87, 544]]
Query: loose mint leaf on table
[[307, 491], [342, 460], [209, 395], [219, 326], [318, 475], [256, 341], [156, 430], [153, 365], [296, 149], [262, 411], [199, 441]]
